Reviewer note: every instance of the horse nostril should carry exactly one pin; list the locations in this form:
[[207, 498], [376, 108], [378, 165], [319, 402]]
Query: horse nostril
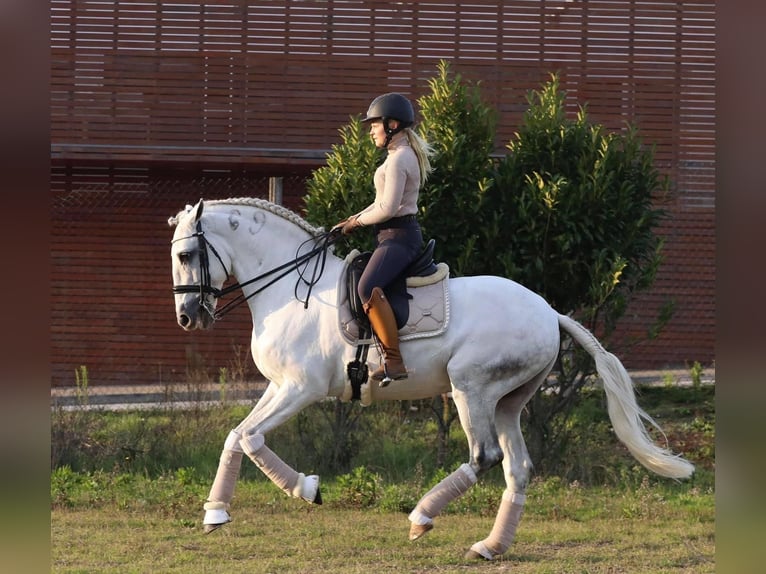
[[184, 320]]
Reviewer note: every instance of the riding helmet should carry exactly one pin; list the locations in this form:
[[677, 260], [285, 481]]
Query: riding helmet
[[391, 106]]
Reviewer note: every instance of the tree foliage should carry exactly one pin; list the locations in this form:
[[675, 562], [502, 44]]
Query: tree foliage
[[569, 211], [461, 130], [574, 210], [344, 186]]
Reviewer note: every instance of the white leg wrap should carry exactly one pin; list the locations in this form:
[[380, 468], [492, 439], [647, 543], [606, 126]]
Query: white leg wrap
[[293, 483], [504, 530], [434, 501], [365, 394], [232, 442], [309, 486], [226, 477], [216, 513]]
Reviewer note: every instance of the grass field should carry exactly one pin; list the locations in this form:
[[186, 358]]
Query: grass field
[[566, 530], [130, 500]]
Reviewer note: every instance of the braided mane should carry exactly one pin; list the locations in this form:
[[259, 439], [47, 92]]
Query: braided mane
[[266, 205], [279, 210]]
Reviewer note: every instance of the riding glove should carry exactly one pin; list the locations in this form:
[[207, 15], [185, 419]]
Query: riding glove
[[348, 225]]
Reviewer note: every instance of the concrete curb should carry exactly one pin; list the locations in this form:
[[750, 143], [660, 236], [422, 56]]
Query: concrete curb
[[186, 395]]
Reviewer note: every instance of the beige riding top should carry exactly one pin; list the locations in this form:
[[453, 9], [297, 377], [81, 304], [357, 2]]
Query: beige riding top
[[397, 183]]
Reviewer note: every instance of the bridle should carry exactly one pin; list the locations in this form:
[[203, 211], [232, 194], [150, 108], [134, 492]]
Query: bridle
[[321, 243]]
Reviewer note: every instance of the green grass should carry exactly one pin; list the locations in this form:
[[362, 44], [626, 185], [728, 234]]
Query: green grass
[[657, 529], [127, 491]]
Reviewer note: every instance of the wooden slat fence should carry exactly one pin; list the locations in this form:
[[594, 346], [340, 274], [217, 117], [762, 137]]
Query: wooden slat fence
[[156, 103]]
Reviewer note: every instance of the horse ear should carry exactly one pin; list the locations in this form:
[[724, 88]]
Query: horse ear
[[200, 205]]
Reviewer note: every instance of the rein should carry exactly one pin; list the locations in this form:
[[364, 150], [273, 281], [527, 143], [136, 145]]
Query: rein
[[322, 242]]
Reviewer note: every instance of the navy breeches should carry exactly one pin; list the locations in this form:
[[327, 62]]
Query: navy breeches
[[396, 248]]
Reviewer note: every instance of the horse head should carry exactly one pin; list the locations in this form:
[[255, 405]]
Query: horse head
[[199, 271]]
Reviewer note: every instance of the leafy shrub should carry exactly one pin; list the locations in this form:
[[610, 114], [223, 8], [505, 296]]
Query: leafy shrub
[[570, 211], [344, 186], [461, 129], [359, 489], [399, 497]]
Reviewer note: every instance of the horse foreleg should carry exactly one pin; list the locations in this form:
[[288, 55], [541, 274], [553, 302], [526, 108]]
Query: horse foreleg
[[289, 399], [222, 491], [295, 484], [229, 465]]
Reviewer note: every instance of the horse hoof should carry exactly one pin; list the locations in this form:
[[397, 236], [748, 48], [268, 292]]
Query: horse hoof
[[208, 528], [478, 552], [418, 530], [473, 555], [309, 489], [216, 516]]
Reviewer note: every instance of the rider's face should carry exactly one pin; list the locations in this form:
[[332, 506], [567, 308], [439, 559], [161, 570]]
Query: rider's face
[[378, 132]]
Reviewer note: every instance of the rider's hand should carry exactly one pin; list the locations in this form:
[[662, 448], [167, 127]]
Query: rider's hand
[[339, 226], [350, 224], [346, 226]]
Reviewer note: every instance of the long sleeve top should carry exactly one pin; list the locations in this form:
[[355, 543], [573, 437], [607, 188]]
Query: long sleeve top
[[397, 184]]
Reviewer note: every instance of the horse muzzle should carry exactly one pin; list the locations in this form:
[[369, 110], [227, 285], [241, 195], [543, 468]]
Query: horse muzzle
[[194, 316]]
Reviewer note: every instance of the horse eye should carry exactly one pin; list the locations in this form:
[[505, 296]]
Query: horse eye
[[184, 257]]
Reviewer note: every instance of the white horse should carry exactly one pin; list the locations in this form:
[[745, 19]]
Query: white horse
[[501, 343]]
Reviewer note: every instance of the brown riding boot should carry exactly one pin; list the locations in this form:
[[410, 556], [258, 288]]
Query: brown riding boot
[[384, 326]]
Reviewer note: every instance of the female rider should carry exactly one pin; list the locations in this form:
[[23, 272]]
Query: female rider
[[393, 217]]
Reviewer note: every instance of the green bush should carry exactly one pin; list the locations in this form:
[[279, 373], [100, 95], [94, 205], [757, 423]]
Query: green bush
[[461, 129], [152, 441], [570, 211], [344, 186], [394, 467], [576, 208], [359, 489]]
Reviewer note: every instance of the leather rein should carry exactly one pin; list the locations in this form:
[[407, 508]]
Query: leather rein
[[321, 243]]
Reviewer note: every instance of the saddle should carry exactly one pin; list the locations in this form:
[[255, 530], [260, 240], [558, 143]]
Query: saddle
[[396, 292], [418, 297]]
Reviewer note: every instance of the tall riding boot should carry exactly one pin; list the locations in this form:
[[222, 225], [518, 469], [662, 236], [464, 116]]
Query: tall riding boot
[[384, 326]]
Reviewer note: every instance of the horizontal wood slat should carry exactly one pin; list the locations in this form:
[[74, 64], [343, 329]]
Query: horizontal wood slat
[[207, 78]]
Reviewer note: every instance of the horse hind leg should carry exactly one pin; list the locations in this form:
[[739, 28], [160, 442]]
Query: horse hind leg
[[517, 466], [485, 453], [434, 501]]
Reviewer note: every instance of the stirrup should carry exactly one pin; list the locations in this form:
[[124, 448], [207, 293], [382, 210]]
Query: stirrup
[[387, 379]]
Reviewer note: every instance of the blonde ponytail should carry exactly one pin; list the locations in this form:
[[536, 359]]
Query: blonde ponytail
[[423, 151]]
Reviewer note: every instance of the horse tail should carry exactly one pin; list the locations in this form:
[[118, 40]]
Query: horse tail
[[624, 411]]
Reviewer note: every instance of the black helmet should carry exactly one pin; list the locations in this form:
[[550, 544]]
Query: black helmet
[[391, 106]]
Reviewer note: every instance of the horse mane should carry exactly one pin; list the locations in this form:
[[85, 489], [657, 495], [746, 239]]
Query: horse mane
[[260, 203]]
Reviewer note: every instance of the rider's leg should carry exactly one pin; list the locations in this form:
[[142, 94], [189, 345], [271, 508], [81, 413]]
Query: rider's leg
[[384, 325]]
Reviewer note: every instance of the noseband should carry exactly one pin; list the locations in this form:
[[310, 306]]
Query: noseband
[[205, 288]]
